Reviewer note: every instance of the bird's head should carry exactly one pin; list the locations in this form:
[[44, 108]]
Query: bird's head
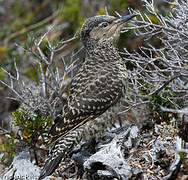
[[103, 28]]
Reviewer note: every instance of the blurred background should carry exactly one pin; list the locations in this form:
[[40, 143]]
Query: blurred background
[[22, 20]]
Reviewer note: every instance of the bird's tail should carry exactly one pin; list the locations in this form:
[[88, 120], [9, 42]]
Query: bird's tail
[[50, 165], [61, 150], [65, 145]]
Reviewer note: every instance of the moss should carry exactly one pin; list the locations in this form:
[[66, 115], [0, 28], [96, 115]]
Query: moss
[[32, 126], [101, 11], [71, 12], [31, 73], [3, 50], [158, 101], [7, 147], [2, 74], [119, 4]]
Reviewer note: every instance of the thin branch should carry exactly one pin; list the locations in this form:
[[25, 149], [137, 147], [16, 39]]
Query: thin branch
[[133, 106], [31, 27], [179, 111], [4, 131], [164, 85]]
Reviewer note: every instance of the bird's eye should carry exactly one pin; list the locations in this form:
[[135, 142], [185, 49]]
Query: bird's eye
[[105, 24]]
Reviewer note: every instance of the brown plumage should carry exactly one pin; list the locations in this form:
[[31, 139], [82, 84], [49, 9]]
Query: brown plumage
[[98, 85]]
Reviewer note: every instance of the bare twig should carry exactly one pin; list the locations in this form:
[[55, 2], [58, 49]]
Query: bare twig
[[179, 111], [31, 27]]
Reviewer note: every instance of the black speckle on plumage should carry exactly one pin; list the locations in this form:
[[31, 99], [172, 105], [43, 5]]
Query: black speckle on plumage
[[97, 86]]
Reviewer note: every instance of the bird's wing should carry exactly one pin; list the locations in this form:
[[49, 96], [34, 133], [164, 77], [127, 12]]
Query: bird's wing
[[78, 114], [91, 94]]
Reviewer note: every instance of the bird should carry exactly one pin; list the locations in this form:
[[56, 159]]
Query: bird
[[98, 85]]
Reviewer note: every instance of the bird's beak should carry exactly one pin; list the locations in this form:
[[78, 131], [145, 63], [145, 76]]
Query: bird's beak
[[116, 27], [126, 18]]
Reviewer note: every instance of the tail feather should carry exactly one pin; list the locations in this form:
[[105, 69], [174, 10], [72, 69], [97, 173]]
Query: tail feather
[[60, 151], [50, 166], [65, 144]]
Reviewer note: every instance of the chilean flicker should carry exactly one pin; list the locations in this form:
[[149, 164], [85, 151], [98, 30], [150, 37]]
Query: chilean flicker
[[98, 85]]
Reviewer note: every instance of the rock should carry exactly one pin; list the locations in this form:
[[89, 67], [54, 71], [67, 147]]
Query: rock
[[110, 158], [22, 169]]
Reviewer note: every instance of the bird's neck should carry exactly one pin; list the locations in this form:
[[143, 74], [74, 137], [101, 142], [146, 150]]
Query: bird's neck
[[102, 49]]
